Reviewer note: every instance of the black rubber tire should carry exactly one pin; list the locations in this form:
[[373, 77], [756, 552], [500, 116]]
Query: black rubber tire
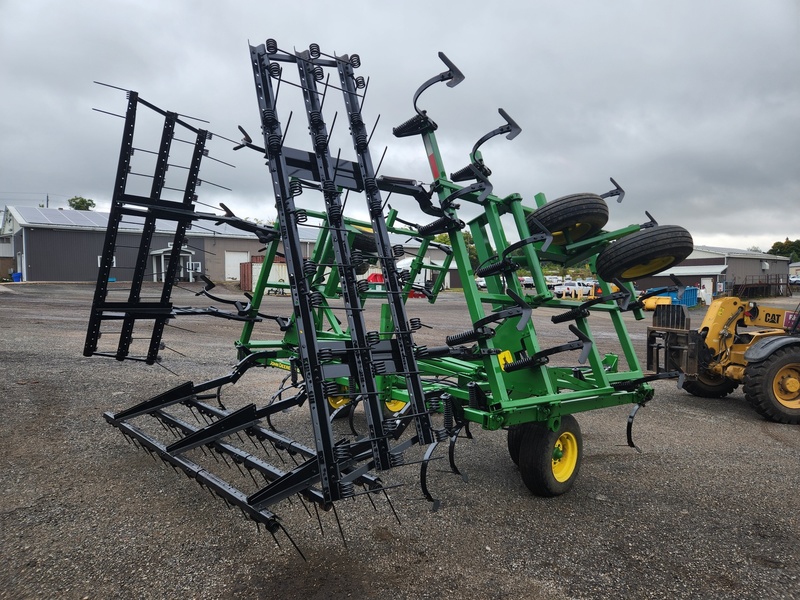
[[543, 473], [335, 402], [514, 441], [365, 242], [570, 218], [761, 380], [362, 268], [644, 252], [710, 386]]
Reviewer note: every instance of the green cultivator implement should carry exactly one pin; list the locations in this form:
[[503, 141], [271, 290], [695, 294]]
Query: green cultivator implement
[[496, 373]]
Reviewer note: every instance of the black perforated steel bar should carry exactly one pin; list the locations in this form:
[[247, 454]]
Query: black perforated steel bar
[[309, 362], [394, 286], [192, 180], [361, 351], [114, 218], [148, 229]]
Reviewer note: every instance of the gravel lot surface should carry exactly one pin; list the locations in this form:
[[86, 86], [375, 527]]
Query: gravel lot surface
[[708, 509]]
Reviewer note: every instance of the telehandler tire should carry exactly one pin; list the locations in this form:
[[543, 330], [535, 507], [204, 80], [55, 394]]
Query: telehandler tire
[[772, 386], [570, 218], [549, 461], [710, 386], [645, 252]]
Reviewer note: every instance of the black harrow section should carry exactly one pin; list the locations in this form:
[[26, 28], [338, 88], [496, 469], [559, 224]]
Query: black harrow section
[[147, 209], [150, 205], [319, 465]]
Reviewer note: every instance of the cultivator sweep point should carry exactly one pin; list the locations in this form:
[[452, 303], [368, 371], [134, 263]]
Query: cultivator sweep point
[[495, 373]]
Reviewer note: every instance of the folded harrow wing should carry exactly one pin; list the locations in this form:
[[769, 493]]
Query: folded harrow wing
[[496, 373]]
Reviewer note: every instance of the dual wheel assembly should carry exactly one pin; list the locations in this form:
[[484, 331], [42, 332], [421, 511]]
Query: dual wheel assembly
[[548, 460], [645, 252]]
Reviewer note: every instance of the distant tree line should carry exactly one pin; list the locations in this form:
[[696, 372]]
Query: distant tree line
[[786, 248]]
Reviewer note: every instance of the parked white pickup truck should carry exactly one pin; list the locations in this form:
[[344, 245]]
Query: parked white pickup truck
[[572, 289]]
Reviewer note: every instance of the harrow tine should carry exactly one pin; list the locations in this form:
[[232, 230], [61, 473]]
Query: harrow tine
[[194, 414], [296, 547], [369, 497], [319, 520], [389, 500], [303, 502], [241, 419], [339, 524], [253, 477]]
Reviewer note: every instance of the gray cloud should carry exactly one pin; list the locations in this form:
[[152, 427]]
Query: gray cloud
[[693, 106]]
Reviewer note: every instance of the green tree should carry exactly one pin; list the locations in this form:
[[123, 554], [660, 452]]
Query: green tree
[[785, 248], [81, 203], [472, 251]]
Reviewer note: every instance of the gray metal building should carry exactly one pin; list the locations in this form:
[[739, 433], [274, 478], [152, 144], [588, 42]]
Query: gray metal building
[[49, 244], [729, 271]]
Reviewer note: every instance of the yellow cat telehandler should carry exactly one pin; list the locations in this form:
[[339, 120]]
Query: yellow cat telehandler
[[738, 342]]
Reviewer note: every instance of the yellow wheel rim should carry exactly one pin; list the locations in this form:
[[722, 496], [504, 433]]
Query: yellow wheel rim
[[565, 456], [394, 406], [572, 234], [337, 402], [786, 386], [648, 268]]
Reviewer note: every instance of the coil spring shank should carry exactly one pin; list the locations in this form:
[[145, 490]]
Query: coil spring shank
[[473, 335], [416, 125], [495, 268]]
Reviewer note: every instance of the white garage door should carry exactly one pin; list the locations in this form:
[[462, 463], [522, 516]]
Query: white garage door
[[232, 261]]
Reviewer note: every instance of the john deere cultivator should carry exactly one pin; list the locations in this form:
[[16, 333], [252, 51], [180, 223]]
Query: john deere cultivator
[[413, 397]]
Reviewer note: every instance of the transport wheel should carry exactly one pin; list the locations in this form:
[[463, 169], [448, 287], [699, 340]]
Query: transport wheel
[[570, 218], [710, 385], [549, 461], [772, 386], [645, 252]]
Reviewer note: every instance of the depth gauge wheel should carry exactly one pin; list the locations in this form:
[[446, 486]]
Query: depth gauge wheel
[[340, 402], [549, 461], [570, 218], [645, 252], [710, 385], [773, 385], [392, 407]]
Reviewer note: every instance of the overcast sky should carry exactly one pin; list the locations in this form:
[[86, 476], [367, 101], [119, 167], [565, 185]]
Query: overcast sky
[[693, 106]]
